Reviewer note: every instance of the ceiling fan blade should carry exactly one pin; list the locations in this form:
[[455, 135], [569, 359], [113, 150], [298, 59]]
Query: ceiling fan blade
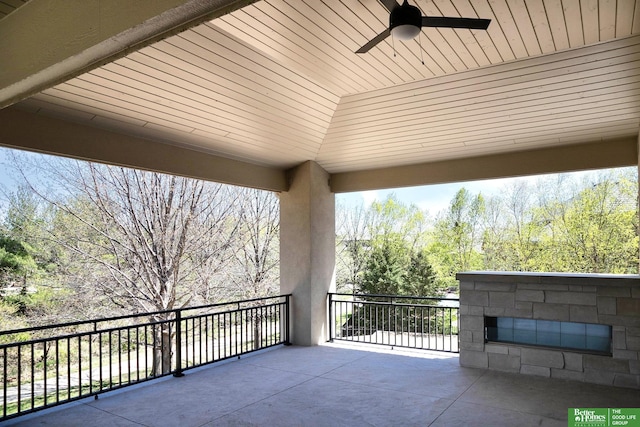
[[390, 4], [374, 41], [441, 21]]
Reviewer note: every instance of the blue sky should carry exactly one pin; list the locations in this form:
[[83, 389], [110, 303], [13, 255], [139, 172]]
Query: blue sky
[[431, 198], [435, 198]]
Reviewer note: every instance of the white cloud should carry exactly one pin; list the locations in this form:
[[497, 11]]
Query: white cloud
[[369, 197]]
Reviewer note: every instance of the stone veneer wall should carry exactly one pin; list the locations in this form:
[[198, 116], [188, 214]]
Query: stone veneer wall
[[587, 298]]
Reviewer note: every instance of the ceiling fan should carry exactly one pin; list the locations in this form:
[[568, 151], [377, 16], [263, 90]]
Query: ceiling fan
[[406, 21]]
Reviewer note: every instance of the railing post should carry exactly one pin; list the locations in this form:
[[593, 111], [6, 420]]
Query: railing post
[[287, 303], [178, 317], [332, 321]]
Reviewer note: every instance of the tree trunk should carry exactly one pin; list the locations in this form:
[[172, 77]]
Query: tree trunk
[[163, 337], [257, 331]]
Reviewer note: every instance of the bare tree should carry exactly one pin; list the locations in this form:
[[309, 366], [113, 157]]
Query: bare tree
[[256, 267], [145, 237], [256, 252], [352, 245]]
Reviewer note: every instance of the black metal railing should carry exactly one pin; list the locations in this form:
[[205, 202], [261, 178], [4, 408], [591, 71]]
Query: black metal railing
[[46, 366], [429, 323]]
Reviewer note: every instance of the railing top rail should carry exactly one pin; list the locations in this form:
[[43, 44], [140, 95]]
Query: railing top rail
[[44, 372], [135, 315], [395, 297], [72, 335], [222, 304]]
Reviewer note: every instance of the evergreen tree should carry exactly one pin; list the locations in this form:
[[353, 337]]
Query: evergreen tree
[[419, 279], [384, 271]]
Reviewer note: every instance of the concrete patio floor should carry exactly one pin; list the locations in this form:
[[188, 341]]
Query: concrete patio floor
[[339, 385]]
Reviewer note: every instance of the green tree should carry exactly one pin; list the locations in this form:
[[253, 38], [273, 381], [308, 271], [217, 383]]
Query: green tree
[[397, 263], [27, 255], [16, 264], [392, 221], [419, 278], [513, 230], [597, 231], [457, 238], [384, 272]]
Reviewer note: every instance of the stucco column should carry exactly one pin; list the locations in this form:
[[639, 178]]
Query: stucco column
[[307, 251]]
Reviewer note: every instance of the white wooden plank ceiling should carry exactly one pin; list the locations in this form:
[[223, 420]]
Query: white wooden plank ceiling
[[9, 6], [278, 83]]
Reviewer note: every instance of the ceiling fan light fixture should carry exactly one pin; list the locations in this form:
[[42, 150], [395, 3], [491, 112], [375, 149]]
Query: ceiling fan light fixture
[[405, 32], [405, 22]]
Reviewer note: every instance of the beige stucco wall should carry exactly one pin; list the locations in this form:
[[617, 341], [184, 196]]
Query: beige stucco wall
[[307, 251]]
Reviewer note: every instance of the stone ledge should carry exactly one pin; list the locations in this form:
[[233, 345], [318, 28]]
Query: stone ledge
[[614, 291], [529, 295], [472, 323], [471, 310], [619, 340], [633, 343], [502, 299], [605, 363], [476, 310], [496, 348], [465, 336], [467, 286], [474, 359], [573, 298], [504, 362], [474, 298], [582, 288], [540, 371], [478, 336], [606, 305], [495, 312], [628, 307], [474, 346], [542, 287], [599, 377], [546, 311], [515, 351], [625, 354], [567, 375], [523, 313], [631, 321], [627, 380], [489, 286], [549, 278], [573, 361], [583, 314], [545, 358]]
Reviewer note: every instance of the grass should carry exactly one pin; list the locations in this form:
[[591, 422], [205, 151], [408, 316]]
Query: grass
[[53, 398]]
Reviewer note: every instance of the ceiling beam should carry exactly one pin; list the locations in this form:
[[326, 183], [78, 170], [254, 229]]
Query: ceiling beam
[[47, 42], [568, 158], [34, 132]]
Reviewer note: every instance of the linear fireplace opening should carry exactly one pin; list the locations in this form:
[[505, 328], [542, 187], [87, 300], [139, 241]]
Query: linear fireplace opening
[[587, 337]]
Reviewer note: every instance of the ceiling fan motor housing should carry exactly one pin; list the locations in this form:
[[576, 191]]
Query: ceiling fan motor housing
[[406, 22], [405, 15]]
